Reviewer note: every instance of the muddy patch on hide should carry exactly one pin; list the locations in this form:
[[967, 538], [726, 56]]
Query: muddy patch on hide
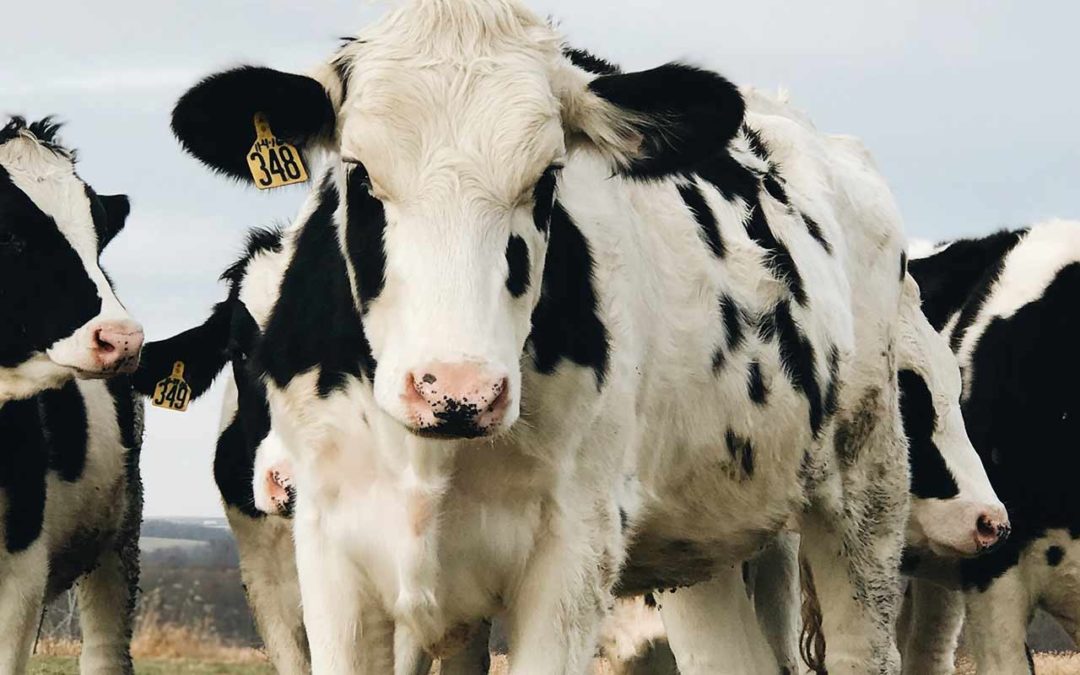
[[853, 430]]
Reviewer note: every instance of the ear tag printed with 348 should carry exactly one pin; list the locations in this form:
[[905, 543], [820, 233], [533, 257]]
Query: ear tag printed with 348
[[273, 162], [173, 393]]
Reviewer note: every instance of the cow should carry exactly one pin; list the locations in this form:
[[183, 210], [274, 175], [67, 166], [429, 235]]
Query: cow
[[70, 493], [1007, 305], [251, 468], [955, 512], [610, 332]]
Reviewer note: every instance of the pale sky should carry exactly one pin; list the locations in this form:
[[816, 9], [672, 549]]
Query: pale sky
[[969, 106]]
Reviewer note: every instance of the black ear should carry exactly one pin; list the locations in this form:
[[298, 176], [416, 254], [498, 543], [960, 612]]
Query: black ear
[[214, 120], [117, 208], [682, 114], [205, 350]]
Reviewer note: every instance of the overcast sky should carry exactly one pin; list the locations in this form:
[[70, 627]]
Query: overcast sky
[[970, 107]]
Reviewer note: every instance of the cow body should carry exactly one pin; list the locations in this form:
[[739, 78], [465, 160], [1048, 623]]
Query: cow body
[[1007, 304], [70, 493], [656, 365]]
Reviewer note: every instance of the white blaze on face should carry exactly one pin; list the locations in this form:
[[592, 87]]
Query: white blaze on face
[[955, 510], [444, 142], [110, 341]]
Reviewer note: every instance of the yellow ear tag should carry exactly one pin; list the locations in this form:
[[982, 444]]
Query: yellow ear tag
[[173, 393], [273, 162]]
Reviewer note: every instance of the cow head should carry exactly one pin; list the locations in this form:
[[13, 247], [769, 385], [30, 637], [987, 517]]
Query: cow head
[[449, 124], [59, 316], [954, 511]]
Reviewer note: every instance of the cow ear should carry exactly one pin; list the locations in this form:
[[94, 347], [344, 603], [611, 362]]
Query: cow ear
[[214, 120], [657, 122], [117, 208]]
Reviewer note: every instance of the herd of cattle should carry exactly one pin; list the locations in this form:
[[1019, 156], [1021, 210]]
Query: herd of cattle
[[546, 334]]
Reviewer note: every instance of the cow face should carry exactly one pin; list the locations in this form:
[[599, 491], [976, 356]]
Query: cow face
[[59, 316], [954, 511], [449, 124]]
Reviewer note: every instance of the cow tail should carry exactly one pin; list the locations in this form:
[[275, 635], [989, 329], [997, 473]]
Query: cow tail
[[812, 639]]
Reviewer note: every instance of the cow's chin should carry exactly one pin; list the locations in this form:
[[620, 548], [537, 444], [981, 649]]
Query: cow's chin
[[936, 539]]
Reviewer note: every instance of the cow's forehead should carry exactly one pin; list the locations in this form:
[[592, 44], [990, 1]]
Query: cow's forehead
[[495, 127]]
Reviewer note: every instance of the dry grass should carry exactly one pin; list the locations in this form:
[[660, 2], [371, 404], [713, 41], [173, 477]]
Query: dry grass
[[1045, 664], [156, 639]]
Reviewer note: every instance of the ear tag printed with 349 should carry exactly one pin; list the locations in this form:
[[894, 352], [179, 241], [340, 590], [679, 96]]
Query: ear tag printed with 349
[[273, 162], [173, 393]]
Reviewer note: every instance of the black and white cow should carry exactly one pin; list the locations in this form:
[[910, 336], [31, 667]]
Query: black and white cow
[[70, 493], [611, 333], [955, 512], [251, 467], [1008, 304]]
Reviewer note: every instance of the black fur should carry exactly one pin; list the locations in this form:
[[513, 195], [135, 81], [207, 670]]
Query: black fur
[[234, 459], [45, 130], [63, 419], [47, 294], [948, 279], [205, 350], [517, 260], [815, 231], [755, 384], [314, 323], [214, 120], [733, 319], [590, 62], [1023, 416], [24, 458], [742, 452], [930, 477], [364, 235], [566, 323], [1054, 556], [684, 115], [797, 361], [544, 198], [903, 265], [109, 213], [708, 227]]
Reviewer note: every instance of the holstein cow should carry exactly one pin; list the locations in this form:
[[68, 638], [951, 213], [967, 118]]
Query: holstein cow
[[70, 493], [955, 512], [1008, 305], [592, 318], [251, 468]]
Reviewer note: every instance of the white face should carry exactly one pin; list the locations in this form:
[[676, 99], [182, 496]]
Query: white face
[[63, 319], [448, 174], [955, 511]]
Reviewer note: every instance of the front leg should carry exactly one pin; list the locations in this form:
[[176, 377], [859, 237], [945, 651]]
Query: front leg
[[997, 620], [347, 636], [555, 616], [936, 617], [268, 568], [106, 613], [712, 628], [774, 584], [23, 577]]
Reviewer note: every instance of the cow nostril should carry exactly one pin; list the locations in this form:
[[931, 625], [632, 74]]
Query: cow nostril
[[987, 527], [101, 344], [501, 391], [428, 378]]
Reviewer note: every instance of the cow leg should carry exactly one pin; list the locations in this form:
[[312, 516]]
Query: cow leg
[[711, 627], [774, 583], [409, 657], [347, 636], [268, 568], [555, 617], [106, 614], [997, 620], [23, 577], [936, 616], [856, 575]]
